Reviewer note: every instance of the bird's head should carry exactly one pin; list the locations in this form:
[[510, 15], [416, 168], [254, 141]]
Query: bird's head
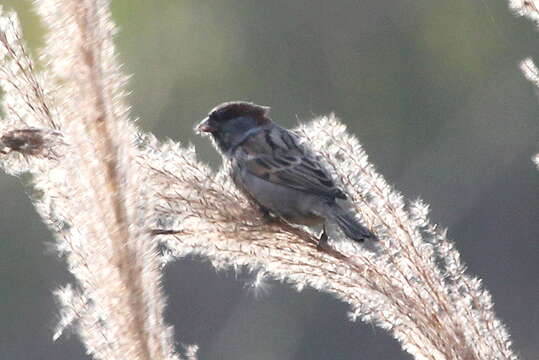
[[231, 122]]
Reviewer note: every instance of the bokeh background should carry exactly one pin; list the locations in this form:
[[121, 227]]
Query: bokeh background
[[431, 88]]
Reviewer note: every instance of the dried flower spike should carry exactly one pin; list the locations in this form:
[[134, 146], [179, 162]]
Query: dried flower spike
[[31, 141]]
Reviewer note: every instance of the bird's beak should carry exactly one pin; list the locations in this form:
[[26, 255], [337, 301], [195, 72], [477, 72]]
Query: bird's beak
[[206, 126]]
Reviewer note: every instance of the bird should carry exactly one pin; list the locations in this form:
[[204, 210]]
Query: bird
[[278, 170]]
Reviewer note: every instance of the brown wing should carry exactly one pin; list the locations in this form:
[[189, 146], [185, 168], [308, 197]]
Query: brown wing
[[279, 158]]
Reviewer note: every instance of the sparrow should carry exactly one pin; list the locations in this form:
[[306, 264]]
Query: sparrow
[[278, 171]]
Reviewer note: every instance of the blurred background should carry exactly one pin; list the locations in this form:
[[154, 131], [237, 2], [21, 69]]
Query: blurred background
[[431, 88]]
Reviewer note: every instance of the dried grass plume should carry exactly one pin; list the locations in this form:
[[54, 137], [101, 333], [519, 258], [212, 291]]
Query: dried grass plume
[[68, 126], [529, 9], [101, 184]]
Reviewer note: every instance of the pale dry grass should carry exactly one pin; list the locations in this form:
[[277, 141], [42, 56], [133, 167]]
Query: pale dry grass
[[529, 9], [68, 126], [102, 185]]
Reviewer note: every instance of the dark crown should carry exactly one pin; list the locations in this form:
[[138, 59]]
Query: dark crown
[[234, 109]]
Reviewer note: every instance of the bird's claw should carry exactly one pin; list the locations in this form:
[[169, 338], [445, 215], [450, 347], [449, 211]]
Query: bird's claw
[[323, 240]]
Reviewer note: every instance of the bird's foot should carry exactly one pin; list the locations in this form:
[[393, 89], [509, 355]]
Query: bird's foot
[[267, 216], [323, 240]]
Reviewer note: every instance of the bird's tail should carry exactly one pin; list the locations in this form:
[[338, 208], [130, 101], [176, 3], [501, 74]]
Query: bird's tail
[[349, 225]]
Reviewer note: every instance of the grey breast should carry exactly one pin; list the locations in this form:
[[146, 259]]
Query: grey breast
[[291, 204]]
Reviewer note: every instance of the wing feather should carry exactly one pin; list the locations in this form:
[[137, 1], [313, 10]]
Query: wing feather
[[276, 155]]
